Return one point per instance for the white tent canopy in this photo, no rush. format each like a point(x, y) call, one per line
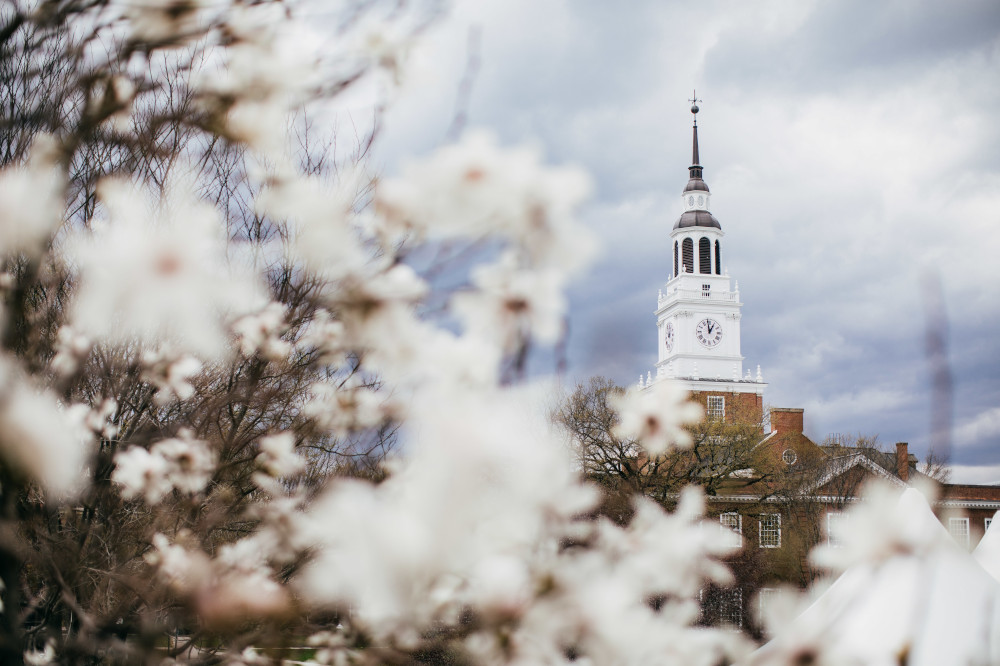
point(987, 553)
point(927, 608)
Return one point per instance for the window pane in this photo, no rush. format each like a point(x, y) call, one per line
point(959, 528)
point(770, 530)
point(732, 524)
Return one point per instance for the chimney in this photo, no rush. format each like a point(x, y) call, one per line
point(902, 461)
point(786, 419)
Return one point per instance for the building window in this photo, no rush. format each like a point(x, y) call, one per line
point(687, 256)
point(722, 607)
point(706, 290)
point(764, 598)
point(789, 456)
point(836, 528)
point(705, 256)
point(718, 260)
point(677, 268)
point(987, 523)
point(769, 530)
point(732, 528)
point(731, 608)
point(959, 528)
point(716, 407)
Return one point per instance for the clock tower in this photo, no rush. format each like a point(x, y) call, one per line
point(698, 309)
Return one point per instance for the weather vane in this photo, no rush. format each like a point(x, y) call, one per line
point(694, 105)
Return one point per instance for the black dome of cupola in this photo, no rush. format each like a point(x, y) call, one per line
point(696, 192)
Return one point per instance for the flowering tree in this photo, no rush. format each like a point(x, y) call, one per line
point(214, 332)
point(206, 319)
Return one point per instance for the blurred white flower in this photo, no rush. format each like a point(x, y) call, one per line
point(475, 188)
point(261, 332)
point(339, 409)
point(656, 417)
point(888, 523)
point(190, 462)
point(182, 463)
point(170, 374)
point(141, 473)
point(268, 66)
point(277, 455)
point(71, 347)
point(161, 22)
point(325, 335)
point(31, 199)
point(96, 421)
point(512, 304)
point(182, 569)
point(43, 657)
point(39, 439)
point(318, 215)
point(159, 275)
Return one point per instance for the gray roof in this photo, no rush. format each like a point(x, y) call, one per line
point(697, 218)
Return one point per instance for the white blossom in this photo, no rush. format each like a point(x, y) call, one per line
point(40, 439)
point(141, 473)
point(164, 21)
point(326, 336)
point(340, 409)
point(261, 332)
point(267, 69)
point(512, 303)
point(182, 463)
point(656, 417)
point(170, 374)
point(319, 215)
point(159, 274)
point(71, 348)
point(31, 199)
point(43, 657)
point(277, 455)
point(475, 188)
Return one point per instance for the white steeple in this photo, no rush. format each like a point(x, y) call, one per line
point(698, 309)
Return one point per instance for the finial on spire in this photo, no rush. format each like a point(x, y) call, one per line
point(695, 163)
point(694, 105)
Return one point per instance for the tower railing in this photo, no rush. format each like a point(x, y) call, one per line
point(699, 295)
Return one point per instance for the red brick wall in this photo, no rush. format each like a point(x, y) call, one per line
point(786, 419)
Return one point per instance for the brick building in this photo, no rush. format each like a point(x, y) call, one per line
point(800, 501)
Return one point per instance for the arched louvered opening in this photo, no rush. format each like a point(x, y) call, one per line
point(687, 255)
point(676, 267)
point(718, 259)
point(704, 256)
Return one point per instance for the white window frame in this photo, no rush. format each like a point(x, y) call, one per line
point(718, 409)
point(986, 524)
point(764, 597)
point(837, 523)
point(958, 528)
point(731, 524)
point(774, 531)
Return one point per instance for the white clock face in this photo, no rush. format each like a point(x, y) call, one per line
point(708, 332)
point(668, 336)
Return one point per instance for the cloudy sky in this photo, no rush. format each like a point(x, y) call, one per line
point(853, 151)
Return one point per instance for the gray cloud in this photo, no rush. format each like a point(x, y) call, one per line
point(851, 147)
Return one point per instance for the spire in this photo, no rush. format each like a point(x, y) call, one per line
point(696, 194)
point(695, 168)
point(694, 112)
